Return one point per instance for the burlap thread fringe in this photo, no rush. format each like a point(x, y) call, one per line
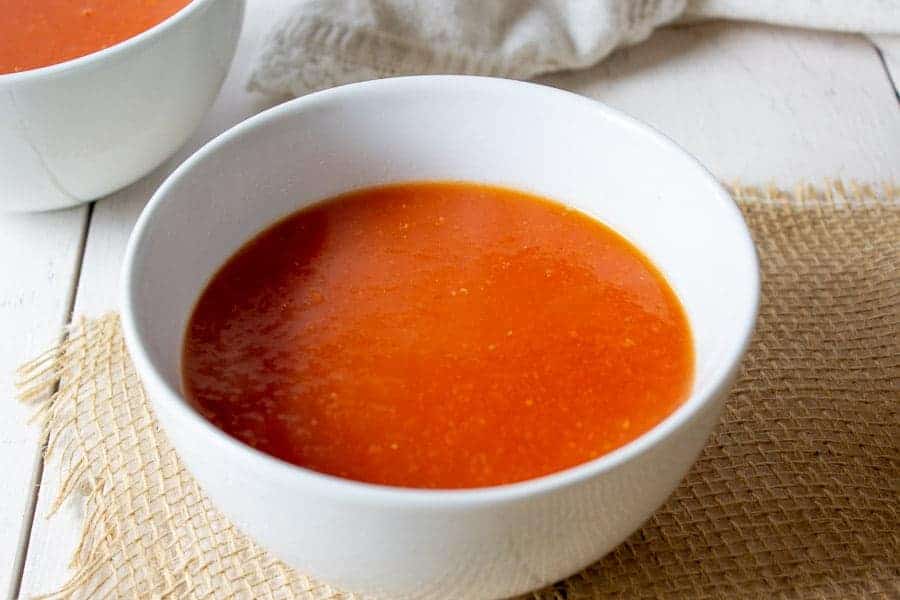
point(796, 494)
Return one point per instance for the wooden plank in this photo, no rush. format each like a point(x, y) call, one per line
point(54, 539)
point(41, 254)
point(889, 47)
point(757, 103)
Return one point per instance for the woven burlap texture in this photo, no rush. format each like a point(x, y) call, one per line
point(796, 494)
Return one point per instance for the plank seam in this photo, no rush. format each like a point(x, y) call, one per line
point(887, 70)
point(35, 484)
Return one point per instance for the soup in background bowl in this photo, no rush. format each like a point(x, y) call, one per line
point(40, 33)
point(399, 542)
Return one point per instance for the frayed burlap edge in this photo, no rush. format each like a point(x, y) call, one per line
point(49, 382)
point(77, 441)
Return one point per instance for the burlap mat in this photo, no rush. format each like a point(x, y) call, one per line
point(796, 495)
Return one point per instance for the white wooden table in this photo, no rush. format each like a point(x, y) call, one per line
point(757, 104)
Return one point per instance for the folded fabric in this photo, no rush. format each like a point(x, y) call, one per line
point(316, 44)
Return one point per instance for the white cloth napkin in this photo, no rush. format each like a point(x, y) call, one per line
point(316, 44)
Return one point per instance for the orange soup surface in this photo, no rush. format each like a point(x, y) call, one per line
point(38, 33)
point(437, 335)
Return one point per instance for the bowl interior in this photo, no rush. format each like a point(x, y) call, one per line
point(519, 135)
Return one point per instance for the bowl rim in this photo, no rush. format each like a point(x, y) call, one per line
point(331, 485)
point(134, 42)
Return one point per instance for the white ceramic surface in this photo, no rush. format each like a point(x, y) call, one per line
point(78, 130)
point(401, 543)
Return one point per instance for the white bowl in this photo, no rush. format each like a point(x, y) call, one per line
point(403, 543)
point(81, 129)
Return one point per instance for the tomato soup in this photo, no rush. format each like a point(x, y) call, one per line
point(38, 33)
point(437, 335)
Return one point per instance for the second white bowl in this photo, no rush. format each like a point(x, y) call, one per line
point(81, 129)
